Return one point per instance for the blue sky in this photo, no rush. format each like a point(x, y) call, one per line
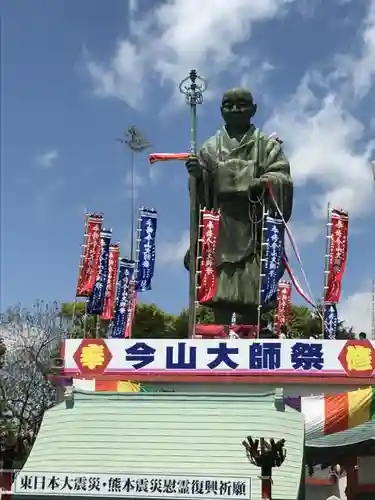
point(75, 75)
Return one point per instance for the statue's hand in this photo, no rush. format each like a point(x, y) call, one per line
point(257, 187)
point(258, 183)
point(193, 167)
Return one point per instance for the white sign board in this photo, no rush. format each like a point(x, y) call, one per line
point(132, 485)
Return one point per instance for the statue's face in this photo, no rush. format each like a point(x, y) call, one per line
point(237, 107)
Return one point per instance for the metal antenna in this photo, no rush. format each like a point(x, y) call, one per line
point(137, 143)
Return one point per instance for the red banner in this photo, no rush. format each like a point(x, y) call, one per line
point(284, 305)
point(131, 311)
point(208, 277)
point(88, 269)
point(338, 254)
point(110, 293)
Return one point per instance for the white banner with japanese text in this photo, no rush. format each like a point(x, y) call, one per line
point(132, 485)
point(93, 357)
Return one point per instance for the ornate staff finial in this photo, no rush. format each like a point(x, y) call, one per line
point(193, 87)
point(194, 91)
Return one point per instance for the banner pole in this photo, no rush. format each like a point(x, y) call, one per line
point(85, 321)
point(261, 274)
point(133, 284)
point(326, 261)
point(197, 269)
point(373, 311)
point(83, 246)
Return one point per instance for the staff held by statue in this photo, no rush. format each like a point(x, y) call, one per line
point(194, 96)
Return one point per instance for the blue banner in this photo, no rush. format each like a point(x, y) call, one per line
point(146, 254)
point(331, 321)
point(126, 275)
point(95, 303)
point(272, 265)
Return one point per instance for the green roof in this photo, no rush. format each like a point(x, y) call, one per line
point(170, 434)
point(355, 435)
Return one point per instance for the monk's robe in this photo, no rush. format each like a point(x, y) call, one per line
point(230, 182)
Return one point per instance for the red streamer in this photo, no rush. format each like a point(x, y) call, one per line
point(338, 255)
point(110, 294)
point(156, 157)
point(91, 256)
point(208, 276)
point(284, 304)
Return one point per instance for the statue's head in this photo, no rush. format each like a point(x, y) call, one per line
point(238, 107)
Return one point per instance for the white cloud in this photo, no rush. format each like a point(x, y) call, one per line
point(324, 140)
point(356, 311)
point(173, 252)
point(178, 35)
point(47, 159)
point(361, 70)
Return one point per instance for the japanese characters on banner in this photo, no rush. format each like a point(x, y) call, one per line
point(91, 255)
point(292, 357)
point(96, 301)
point(284, 304)
point(110, 293)
point(338, 254)
point(272, 266)
point(146, 252)
point(132, 485)
point(330, 319)
point(207, 273)
point(126, 275)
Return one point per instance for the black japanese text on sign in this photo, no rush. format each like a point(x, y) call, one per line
point(122, 485)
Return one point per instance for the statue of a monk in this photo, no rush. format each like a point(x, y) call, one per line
point(231, 172)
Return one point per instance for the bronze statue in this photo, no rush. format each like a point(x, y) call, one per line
point(230, 173)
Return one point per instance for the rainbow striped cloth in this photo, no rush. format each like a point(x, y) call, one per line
point(106, 385)
point(111, 386)
point(327, 414)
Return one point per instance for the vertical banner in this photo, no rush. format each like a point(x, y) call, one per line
point(283, 305)
point(90, 256)
point(330, 319)
point(126, 275)
point(208, 278)
point(146, 252)
point(338, 254)
point(131, 310)
point(272, 268)
point(110, 293)
point(95, 303)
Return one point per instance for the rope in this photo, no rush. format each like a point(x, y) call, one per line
point(297, 286)
point(293, 243)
